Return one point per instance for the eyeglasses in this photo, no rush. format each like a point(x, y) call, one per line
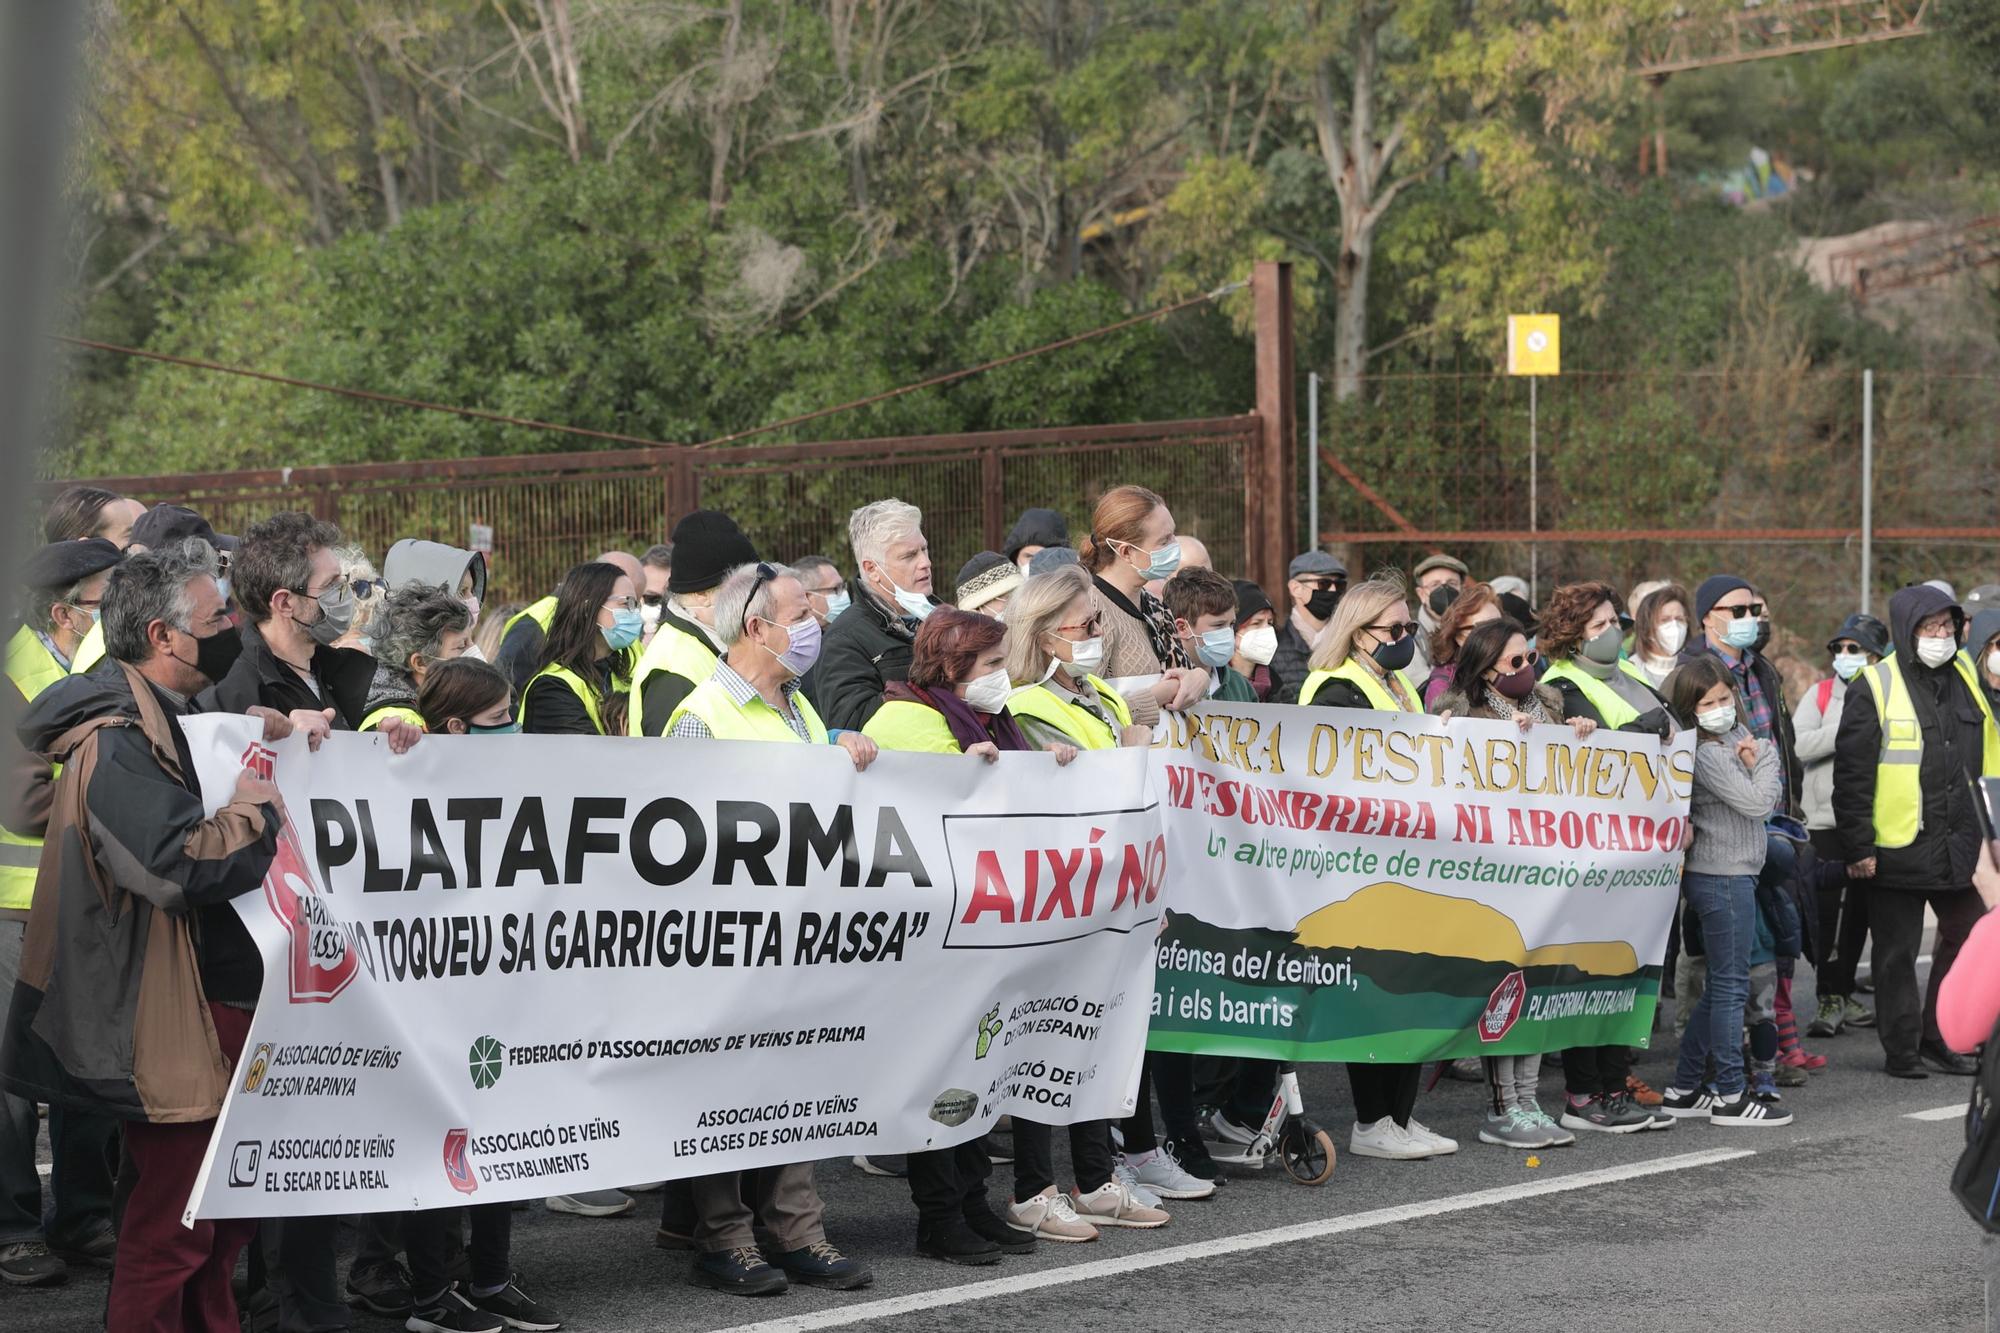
point(1747, 609)
point(824, 593)
point(1397, 631)
point(621, 603)
point(765, 573)
point(1509, 665)
point(340, 584)
point(1091, 628)
point(1323, 585)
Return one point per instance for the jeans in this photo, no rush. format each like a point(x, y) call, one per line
point(1726, 905)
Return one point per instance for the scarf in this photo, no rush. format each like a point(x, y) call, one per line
point(1159, 622)
point(969, 726)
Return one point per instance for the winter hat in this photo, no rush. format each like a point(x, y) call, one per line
point(1518, 610)
point(1250, 599)
point(1035, 527)
point(707, 545)
point(1713, 589)
point(1864, 629)
point(1049, 559)
point(62, 565)
point(987, 576)
point(1440, 561)
point(1314, 563)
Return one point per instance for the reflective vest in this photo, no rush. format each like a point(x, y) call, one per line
point(32, 669)
point(1073, 720)
point(754, 721)
point(676, 652)
point(89, 652)
point(408, 714)
point(577, 685)
point(904, 724)
point(541, 611)
point(1612, 709)
point(1364, 680)
point(1899, 798)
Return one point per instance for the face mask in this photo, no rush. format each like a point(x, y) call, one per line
point(989, 693)
point(1741, 633)
point(1603, 649)
point(837, 604)
point(1085, 657)
point(472, 653)
point(1993, 662)
point(914, 604)
point(624, 631)
point(1671, 634)
point(649, 616)
point(1320, 605)
point(1441, 598)
point(336, 616)
point(1763, 635)
point(471, 605)
point(1717, 721)
point(801, 646)
point(1217, 647)
point(511, 727)
point(1846, 664)
point(214, 655)
point(1936, 652)
point(222, 585)
point(1163, 563)
point(1259, 645)
point(1516, 684)
point(1395, 656)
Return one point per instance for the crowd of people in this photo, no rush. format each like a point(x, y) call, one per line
point(1823, 828)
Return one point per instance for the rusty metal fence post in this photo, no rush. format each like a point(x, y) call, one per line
point(1270, 487)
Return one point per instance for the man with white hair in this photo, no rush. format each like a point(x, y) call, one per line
point(869, 645)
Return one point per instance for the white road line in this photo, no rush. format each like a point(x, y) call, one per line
point(1212, 1249)
point(1956, 1111)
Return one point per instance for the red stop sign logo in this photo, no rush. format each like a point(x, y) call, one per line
point(1503, 1007)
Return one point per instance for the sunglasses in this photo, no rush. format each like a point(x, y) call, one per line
point(1091, 628)
point(1507, 666)
point(653, 599)
point(765, 573)
point(1747, 609)
point(1323, 585)
point(1398, 631)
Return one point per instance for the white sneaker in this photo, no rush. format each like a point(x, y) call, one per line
point(1230, 1132)
point(1122, 1172)
point(1385, 1139)
point(1439, 1145)
point(1112, 1205)
point(1050, 1216)
point(1167, 1178)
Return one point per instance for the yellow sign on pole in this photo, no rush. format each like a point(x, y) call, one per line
point(1534, 344)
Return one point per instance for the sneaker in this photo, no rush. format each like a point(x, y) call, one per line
point(1690, 1105)
point(1385, 1139)
point(1790, 1076)
point(1466, 1069)
point(823, 1265)
point(381, 1288)
point(1831, 1017)
point(1641, 1092)
point(28, 1263)
point(1163, 1174)
point(1558, 1137)
point(1941, 1058)
point(1656, 1118)
point(516, 1308)
point(1603, 1115)
point(1513, 1130)
point(955, 1242)
point(650, 1187)
point(1228, 1131)
point(1856, 1014)
point(1110, 1205)
point(98, 1248)
point(740, 1272)
point(893, 1167)
point(1050, 1216)
point(1438, 1144)
point(1122, 1172)
point(1745, 1110)
point(1801, 1058)
point(980, 1217)
point(1192, 1154)
point(452, 1313)
point(592, 1203)
point(1764, 1087)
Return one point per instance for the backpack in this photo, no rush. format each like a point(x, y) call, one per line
point(1976, 1178)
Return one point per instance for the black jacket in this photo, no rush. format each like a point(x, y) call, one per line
point(344, 676)
point(664, 690)
point(551, 708)
point(1290, 666)
point(520, 652)
point(866, 649)
point(1946, 847)
point(1781, 716)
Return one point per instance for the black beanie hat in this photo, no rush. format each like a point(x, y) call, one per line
point(1250, 599)
point(707, 545)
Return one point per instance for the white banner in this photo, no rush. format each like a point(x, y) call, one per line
point(500, 968)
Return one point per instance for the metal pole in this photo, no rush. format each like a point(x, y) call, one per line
point(1534, 501)
point(1312, 461)
point(1867, 486)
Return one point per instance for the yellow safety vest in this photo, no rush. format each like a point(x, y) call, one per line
point(541, 611)
point(1612, 709)
point(1072, 720)
point(410, 715)
point(1899, 799)
point(576, 684)
point(89, 652)
point(1364, 680)
point(904, 724)
point(32, 669)
point(754, 721)
point(676, 652)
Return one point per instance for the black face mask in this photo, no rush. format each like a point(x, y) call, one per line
point(1763, 636)
point(1320, 605)
point(214, 655)
point(1441, 598)
point(1395, 656)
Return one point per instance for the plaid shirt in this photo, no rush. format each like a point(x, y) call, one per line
point(1757, 709)
point(742, 692)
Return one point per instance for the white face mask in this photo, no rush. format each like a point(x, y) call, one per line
point(1259, 645)
point(1084, 657)
point(472, 651)
point(649, 615)
point(1993, 662)
point(1936, 652)
point(988, 693)
point(1717, 721)
point(1671, 634)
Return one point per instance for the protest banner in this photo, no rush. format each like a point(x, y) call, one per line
point(508, 968)
point(1354, 885)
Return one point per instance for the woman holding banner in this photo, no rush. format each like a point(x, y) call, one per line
point(576, 690)
point(1359, 663)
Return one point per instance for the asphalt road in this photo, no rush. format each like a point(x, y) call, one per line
point(1840, 1221)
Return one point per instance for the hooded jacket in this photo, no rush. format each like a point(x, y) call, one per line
point(412, 561)
point(1946, 848)
point(1985, 625)
point(110, 1011)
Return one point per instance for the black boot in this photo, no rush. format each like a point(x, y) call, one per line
point(980, 1217)
point(953, 1241)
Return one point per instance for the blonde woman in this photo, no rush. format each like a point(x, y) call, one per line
point(1359, 663)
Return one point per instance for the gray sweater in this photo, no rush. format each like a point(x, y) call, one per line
point(1729, 806)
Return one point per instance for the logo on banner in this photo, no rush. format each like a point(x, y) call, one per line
point(260, 1064)
point(321, 961)
point(244, 1160)
point(485, 1061)
point(955, 1106)
point(457, 1165)
point(989, 1028)
point(1503, 1007)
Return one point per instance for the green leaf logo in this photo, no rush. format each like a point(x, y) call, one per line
point(989, 1028)
point(486, 1060)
